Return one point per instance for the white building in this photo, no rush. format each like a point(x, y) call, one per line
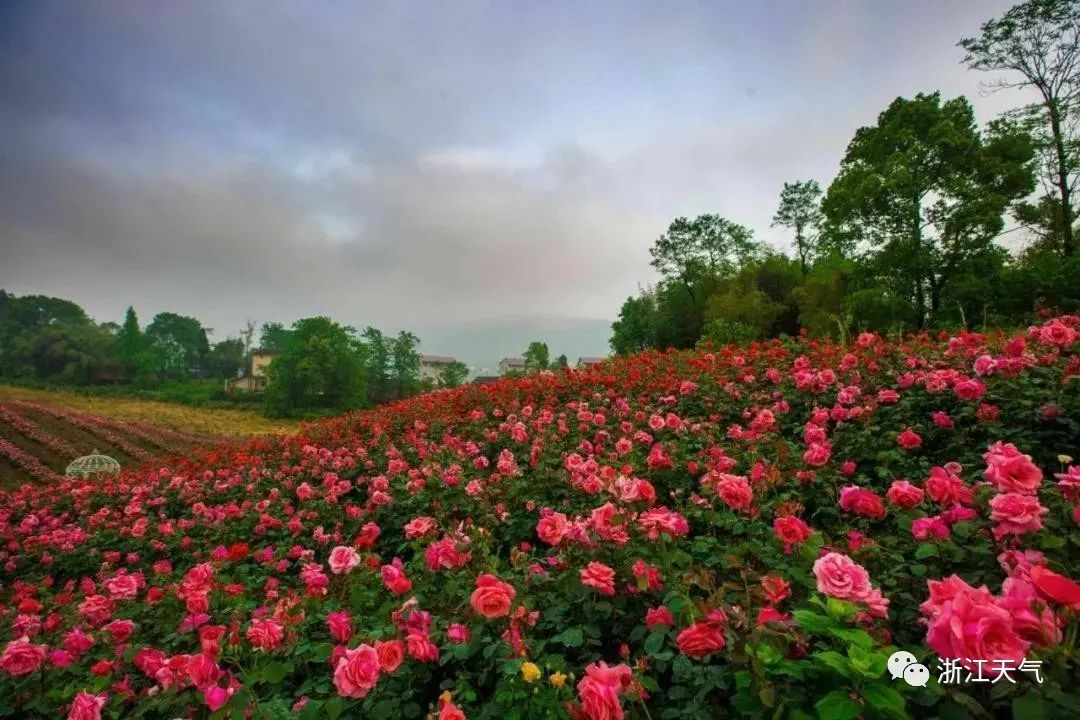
point(431, 366)
point(508, 363)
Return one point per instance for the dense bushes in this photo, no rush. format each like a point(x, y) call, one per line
point(741, 532)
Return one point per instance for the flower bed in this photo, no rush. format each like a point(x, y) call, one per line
point(746, 532)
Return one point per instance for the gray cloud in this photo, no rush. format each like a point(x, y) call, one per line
point(423, 166)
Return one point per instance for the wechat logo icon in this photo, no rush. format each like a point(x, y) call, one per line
point(903, 664)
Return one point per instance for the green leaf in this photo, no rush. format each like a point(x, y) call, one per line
point(276, 671)
point(926, 550)
point(854, 637)
point(571, 637)
point(837, 706)
point(813, 623)
point(1028, 706)
point(886, 700)
point(834, 660)
point(321, 652)
point(869, 663)
point(333, 708)
point(839, 610)
point(654, 642)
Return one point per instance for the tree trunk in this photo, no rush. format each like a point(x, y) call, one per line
point(1062, 181)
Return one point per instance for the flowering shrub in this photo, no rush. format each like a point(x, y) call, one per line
point(738, 532)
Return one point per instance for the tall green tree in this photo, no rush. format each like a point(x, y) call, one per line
point(453, 374)
point(635, 328)
point(925, 193)
point(273, 336)
point(130, 345)
point(320, 368)
point(706, 245)
point(377, 352)
point(178, 343)
point(1037, 43)
point(800, 212)
point(405, 362)
point(537, 357)
point(227, 357)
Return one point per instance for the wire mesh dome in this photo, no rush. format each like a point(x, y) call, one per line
point(92, 464)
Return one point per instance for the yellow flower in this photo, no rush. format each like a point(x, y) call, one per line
point(1064, 459)
point(557, 679)
point(529, 671)
point(446, 696)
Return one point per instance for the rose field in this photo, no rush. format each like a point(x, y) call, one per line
point(742, 532)
point(38, 441)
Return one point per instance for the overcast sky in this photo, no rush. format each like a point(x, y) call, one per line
point(416, 165)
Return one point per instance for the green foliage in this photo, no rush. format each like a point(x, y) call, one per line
point(178, 345)
point(537, 357)
point(635, 329)
point(273, 336)
point(800, 211)
point(453, 374)
point(321, 367)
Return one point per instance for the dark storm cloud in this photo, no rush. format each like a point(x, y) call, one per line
point(416, 165)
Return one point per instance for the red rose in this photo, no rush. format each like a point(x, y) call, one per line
point(492, 597)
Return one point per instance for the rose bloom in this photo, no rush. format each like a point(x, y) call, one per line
point(551, 527)
point(390, 653)
point(791, 531)
point(658, 616)
point(971, 626)
point(1011, 471)
point(700, 639)
point(930, 528)
point(904, 495)
point(969, 389)
point(734, 491)
point(86, 706)
point(1016, 514)
point(21, 657)
point(909, 439)
point(356, 672)
point(450, 711)
point(340, 625)
point(599, 691)
point(419, 527)
point(343, 559)
point(394, 578)
point(947, 488)
point(841, 577)
point(862, 502)
point(265, 634)
point(599, 577)
point(492, 597)
point(457, 633)
point(817, 455)
point(776, 588)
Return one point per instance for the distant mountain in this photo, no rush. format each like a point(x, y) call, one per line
point(480, 344)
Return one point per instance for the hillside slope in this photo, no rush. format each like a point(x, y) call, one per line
point(746, 532)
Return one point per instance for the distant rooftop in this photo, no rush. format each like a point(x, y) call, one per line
point(514, 362)
point(437, 359)
point(590, 360)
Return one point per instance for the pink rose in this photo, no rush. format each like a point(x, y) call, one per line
point(791, 531)
point(930, 528)
point(21, 657)
point(457, 633)
point(658, 616)
point(1016, 514)
point(700, 639)
point(1010, 470)
point(492, 597)
point(393, 576)
point(969, 389)
point(862, 502)
point(265, 634)
point(552, 527)
point(343, 559)
point(599, 577)
point(87, 707)
point(390, 653)
point(817, 455)
point(357, 671)
point(599, 691)
point(904, 495)
point(971, 626)
point(419, 527)
point(909, 439)
point(340, 625)
point(841, 577)
point(734, 491)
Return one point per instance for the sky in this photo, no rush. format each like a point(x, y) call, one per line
point(481, 173)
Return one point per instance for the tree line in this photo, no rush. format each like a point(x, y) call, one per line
point(909, 235)
point(320, 365)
